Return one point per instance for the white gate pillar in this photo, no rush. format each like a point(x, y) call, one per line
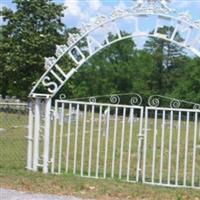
point(36, 138)
point(37, 132)
point(47, 134)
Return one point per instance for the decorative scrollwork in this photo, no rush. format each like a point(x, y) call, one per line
point(92, 99)
point(175, 103)
point(154, 101)
point(62, 97)
point(188, 18)
point(115, 99)
point(136, 99)
point(60, 49)
point(185, 17)
point(85, 28)
point(49, 62)
point(101, 19)
point(73, 38)
point(118, 13)
point(153, 6)
point(196, 107)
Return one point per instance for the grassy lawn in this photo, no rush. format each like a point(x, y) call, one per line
point(89, 188)
point(13, 161)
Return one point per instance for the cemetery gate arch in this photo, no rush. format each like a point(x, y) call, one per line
point(94, 37)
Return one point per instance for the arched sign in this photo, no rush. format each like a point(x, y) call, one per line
point(95, 36)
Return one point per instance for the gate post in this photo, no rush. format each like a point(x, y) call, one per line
point(34, 133)
point(47, 134)
point(36, 137)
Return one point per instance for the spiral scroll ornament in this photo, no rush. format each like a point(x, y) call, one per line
point(115, 99)
point(196, 107)
point(92, 99)
point(62, 97)
point(153, 101)
point(136, 99)
point(175, 103)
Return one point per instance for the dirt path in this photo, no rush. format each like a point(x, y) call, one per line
point(14, 195)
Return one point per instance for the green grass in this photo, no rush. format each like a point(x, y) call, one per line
point(12, 141)
point(13, 161)
point(89, 188)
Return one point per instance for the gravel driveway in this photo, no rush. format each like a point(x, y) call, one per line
point(14, 195)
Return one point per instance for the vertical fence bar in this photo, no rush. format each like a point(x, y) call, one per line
point(139, 151)
point(170, 147)
point(47, 135)
point(76, 138)
point(106, 142)
point(154, 145)
point(199, 132)
point(91, 141)
point(54, 138)
point(68, 137)
point(145, 145)
point(99, 142)
point(114, 143)
point(83, 139)
point(36, 134)
point(130, 143)
point(194, 149)
point(186, 148)
point(178, 148)
point(30, 138)
point(162, 146)
point(61, 137)
point(122, 143)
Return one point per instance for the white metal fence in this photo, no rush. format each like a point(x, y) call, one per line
point(153, 145)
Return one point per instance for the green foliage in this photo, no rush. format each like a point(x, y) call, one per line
point(30, 35)
point(188, 83)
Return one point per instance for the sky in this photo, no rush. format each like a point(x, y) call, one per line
point(83, 11)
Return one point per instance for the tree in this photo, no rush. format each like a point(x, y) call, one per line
point(188, 83)
point(120, 68)
point(107, 72)
point(3, 77)
point(30, 34)
point(164, 54)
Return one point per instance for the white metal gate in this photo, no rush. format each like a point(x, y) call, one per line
point(158, 146)
point(171, 147)
point(97, 140)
